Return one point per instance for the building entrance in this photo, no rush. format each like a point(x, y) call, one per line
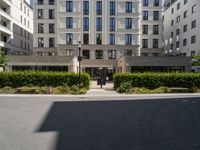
point(96, 72)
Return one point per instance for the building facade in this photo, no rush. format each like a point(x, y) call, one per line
point(16, 26)
point(182, 27)
point(107, 30)
point(151, 28)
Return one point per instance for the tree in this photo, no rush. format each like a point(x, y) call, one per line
point(196, 60)
point(3, 58)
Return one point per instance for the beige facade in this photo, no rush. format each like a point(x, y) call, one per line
point(16, 26)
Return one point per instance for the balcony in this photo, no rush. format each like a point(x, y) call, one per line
point(5, 28)
point(8, 2)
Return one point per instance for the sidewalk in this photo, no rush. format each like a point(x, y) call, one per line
point(106, 90)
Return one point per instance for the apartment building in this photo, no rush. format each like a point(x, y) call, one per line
point(16, 27)
point(151, 28)
point(107, 29)
point(182, 27)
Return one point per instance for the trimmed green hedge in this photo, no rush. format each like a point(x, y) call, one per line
point(156, 80)
point(36, 78)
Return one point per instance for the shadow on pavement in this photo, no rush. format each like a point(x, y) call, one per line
point(125, 125)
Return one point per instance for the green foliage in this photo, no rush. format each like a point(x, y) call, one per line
point(7, 90)
point(3, 58)
point(125, 87)
point(35, 78)
point(31, 90)
point(196, 61)
point(156, 80)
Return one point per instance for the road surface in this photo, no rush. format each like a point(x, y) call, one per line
point(82, 123)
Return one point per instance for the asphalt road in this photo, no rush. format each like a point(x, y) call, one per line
point(59, 123)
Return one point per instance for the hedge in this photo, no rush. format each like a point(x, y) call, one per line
point(36, 78)
point(156, 80)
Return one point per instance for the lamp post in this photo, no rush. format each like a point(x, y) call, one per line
point(79, 62)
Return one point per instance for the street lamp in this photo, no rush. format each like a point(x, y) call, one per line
point(79, 61)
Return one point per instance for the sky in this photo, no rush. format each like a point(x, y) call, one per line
point(29, 1)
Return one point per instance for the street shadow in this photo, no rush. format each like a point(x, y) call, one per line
point(125, 125)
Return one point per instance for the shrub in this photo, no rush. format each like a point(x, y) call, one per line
point(125, 87)
point(36, 78)
point(156, 80)
point(7, 90)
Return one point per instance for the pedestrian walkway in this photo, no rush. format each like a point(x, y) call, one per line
point(106, 90)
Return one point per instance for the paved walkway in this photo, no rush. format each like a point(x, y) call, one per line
point(107, 90)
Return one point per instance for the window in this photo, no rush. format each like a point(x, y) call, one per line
point(128, 52)
point(128, 23)
point(99, 7)
point(20, 6)
point(112, 24)
point(172, 11)
point(40, 2)
point(129, 7)
point(69, 38)
point(85, 7)
point(85, 24)
point(172, 22)
point(156, 29)
point(144, 43)
point(112, 39)
point(185, 28)
point(24, 9)
point(145, 29)
point(112, 7)
point(144, 54)
point(185, 14)
point(192, 53)
point(156, 3)
point(193, 24)
point(155, 43)
point(145, 2)
point(193, 39)
point(178, 31)
point(40, 42)
point(51, 42)
point(178, 19)
point(99, 24)
point(69, 6)
point(99, 38)
point(185, 42)
point(145, 15)
point(40, 14)
point(99, 54)
point(194, 9)
point(51, 2)
point(177, 44)
point(24, 21)
point(85, 38)
point(51, 28)
point(128, 39)
point(86, 54)
point(185, 2)
point(21, 43)
point(51, 14)
point(172, 46)
point(172, 34)
point(69, 22)
point(40, 28)
point(155, 15)
point(178, 6)
point(111, 54)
